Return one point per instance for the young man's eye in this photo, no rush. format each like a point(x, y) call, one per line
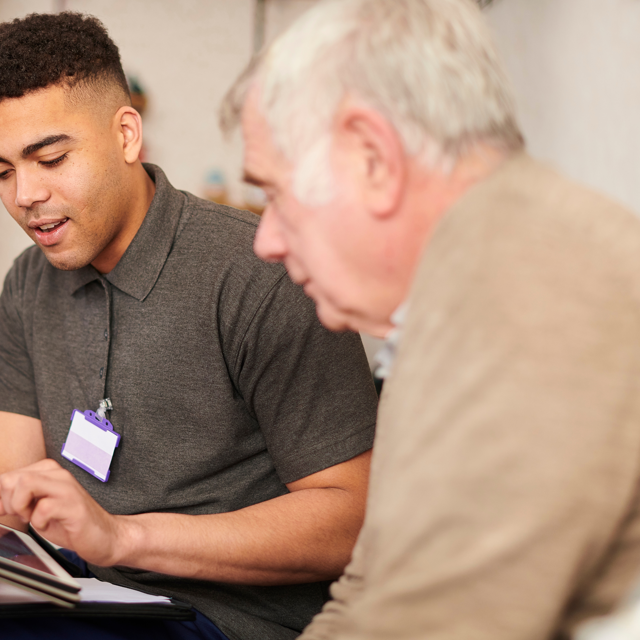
point(5, 174)
point(54, 162)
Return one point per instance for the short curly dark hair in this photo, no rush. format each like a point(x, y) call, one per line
point(67, 48)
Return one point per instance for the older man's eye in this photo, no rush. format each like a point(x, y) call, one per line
point(255, 197)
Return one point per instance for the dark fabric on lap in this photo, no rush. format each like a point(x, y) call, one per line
point(73, 557)
point(111, 629)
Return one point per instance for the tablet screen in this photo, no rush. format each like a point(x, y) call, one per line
point(12, 548)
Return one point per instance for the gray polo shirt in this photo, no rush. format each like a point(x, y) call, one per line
point(224, 384)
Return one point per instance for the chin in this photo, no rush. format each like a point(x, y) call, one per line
point(66, 263)
point(334, 320)
point(337, 320)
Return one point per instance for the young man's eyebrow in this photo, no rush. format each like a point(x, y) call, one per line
point(45, 142)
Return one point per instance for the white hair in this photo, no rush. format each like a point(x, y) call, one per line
point(428, 66)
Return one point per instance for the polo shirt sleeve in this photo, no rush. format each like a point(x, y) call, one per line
point(17, 385)
point(310, 390)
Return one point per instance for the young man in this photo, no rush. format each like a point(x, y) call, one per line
point(240, 478)
point(504, 491)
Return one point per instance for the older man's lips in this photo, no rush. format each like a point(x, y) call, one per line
point(49, 232)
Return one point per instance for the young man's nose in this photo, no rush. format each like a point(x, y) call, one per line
point(30, 189)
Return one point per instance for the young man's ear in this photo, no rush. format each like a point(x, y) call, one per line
point(129, 128)
point(375, 155)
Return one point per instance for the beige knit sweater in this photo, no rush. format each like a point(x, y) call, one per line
point(503, 502)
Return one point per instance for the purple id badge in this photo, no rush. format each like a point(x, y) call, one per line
point(91, 443)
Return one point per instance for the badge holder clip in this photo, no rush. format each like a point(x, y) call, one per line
point(91, 441)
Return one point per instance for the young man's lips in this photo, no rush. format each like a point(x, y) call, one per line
point(52, 236)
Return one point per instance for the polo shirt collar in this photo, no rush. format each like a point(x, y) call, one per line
point(74, 280)
point(139, 268)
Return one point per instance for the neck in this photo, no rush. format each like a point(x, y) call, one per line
point(429, 194)
point(140, 196)
point(442, 187)
point(434, 191)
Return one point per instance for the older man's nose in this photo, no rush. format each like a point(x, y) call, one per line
point(269, 243)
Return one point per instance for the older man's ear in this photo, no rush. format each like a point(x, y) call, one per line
point(369, 148)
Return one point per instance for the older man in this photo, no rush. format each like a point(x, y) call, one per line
point(503, 499)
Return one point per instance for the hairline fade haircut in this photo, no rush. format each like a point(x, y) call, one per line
point(66, 49)
point(429, 66)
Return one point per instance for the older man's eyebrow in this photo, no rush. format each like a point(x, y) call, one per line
point(45, 142)
point(249, 178)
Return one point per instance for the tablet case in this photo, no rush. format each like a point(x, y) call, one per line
point(174, 611)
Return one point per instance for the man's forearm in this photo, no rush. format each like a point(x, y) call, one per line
point(299, 537)
point(302, 536)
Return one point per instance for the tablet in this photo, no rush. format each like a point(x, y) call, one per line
point(16, 593)
point(23, 560)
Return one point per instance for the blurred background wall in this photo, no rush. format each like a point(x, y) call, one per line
point(576, 69)
point(575, 66)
